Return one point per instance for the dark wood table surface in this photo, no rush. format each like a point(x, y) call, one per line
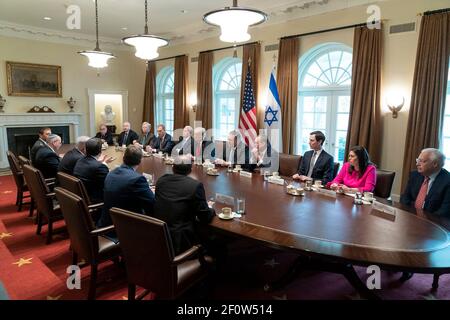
point(322, 226)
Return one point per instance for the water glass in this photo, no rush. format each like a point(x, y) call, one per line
point(308, 184)
point(266, 174)
point(240, 206)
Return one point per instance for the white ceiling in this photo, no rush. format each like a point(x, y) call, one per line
point(178, 20)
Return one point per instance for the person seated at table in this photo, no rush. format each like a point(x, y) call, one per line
point(127, 189)
point(185, 144)
point(104, 135)
point(356, 175)
point(44, 133)
point(236, 153)
point(162, 143)
point(316, 164)
point(92, 169)
point(261, 153)
point(127, 136)
point(47, 160)
point(67, 163)
point(202, 148)
point(428, 187)
point(181, 202)
point(146, 138)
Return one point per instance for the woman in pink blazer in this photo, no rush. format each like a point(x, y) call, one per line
point(358, 174)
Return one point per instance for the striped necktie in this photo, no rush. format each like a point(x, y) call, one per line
point(420, 200)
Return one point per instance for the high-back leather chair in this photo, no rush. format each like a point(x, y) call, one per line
point(86, 241)
point(385, 180)
point(75, 185)
point(24, 160)
point(336, 169)
point(22, 187)
point(149, 257)
point(43, 200)
point(289, 164)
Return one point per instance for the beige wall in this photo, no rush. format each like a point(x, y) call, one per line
point(115, 101)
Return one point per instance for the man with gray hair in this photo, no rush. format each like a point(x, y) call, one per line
point(71, 157)
point(146, 138)
point(127, 136)
point(47, 160)
point(428, 188)
point(186, 143)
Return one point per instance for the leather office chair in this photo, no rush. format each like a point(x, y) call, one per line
point(22, 187)
point(336, 169)
point(153, 266)
point(24, 160)
point(85, 240)
point(43, 199)
point(385, 180)
point(289, 164)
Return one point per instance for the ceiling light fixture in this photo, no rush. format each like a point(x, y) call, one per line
point(47, 18)
point(97, 58)
point(146, 45)
point(234, 21)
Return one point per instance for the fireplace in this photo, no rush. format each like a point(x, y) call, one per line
point(21, 140)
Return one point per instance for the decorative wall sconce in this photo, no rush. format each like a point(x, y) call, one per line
point(2, 103)
point(193, 102)
point(395, 106)
point(71, 103)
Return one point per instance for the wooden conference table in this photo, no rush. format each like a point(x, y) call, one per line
point(320, 226)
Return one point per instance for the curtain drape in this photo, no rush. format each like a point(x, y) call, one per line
point(204, 89)
point(148, 114)
point(180, 99)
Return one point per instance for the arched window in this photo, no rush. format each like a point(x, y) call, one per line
point(227, 89)
point(446, 126)
point(164, 98)
point(325, 74)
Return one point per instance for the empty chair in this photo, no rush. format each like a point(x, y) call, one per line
point(85, 240)
point(289, 164)
point(22, 187)
point(149, 257)
point(43, 200)
point(385, 180)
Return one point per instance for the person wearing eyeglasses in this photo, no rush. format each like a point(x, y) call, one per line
point(428, 188)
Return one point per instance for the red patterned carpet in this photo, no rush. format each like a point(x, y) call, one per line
point(29, 269)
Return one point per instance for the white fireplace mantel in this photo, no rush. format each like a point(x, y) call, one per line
point(15, 120)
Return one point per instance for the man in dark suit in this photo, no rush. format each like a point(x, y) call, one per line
point(185, 144)
point(316, 164)
point(163, 141)
point(47, 160)
point(127, 189)
point(71, 157)
point(236, 152)
point(428, 188)
point(146, 138)
point(201, 147)
point(44, 133)
point(127, 136)
point(261, 153)
point(105, 135)
point(92, 169)
point(181, 202)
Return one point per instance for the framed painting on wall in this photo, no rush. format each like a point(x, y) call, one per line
point(33, 80)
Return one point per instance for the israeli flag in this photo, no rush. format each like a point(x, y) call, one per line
point(272, 115)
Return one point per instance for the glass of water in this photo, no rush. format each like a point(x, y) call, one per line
point(240, 206)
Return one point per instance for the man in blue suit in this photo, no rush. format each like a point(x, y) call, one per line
point(163, 142)
point(71, 157)
point(428, 188)
point(316, 164)
point(47, 160)
point(127, 189)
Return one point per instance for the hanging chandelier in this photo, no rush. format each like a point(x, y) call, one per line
point(234, 21)
point(97, 58)
point(146, 45)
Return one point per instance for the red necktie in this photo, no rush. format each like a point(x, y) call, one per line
point(199, 149)
point(422, 194)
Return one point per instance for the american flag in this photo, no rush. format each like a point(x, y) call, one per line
point(247, 118)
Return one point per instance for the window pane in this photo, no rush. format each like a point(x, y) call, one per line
point(308, 104)
point(342, 122)
point(341, 137)
point(321, 104)
point(344, 104)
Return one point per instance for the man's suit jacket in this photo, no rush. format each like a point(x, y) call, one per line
point(184, 147)
point(181, 201)
point(128, 190)
point(67, 163)
point(47, 161)
point(39, 143)
point(107, 137)
point(131, 137)
point(208, 150)
point(241, 155)
point(323, 168)
point(93, 174)
point(165, 146)
point(437, 200)
point(146, 139)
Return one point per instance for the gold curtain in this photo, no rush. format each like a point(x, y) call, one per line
point(365, 127)
point(180, 99)
point(204, 89)
point(426, 112)
point(252, 52)
point(287, 83)
point(148, 114)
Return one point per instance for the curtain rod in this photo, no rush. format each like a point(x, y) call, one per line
point(230, 47)
point(323, 31)
point(173, 57)
point(428, 13)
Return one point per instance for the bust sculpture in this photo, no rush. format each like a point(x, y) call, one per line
point(108, 116)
